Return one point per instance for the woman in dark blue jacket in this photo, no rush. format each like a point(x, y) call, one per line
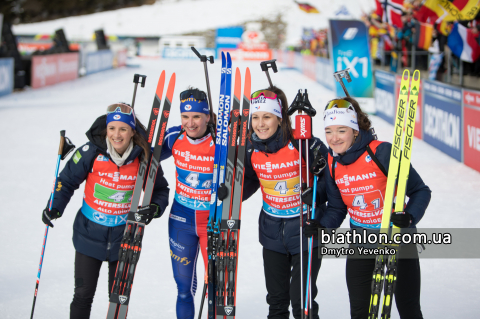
point(272, 163)
point(355, 180)
point(109, 164)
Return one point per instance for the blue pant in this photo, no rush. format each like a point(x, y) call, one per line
point(187, 229)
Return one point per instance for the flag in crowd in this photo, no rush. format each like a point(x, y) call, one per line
point(463, 43)
point(307, 8)
point(424, 32)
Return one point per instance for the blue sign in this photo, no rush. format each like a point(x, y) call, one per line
point(385, 96)
point(99, 61)
point(185, 53)
point(442, 117)
point(6, 76)
point(323, 73)
point(228, 37)
point(350, 49)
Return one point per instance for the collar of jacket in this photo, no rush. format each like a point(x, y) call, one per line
point(357, 149)
point(270, 145)
point(94, 135)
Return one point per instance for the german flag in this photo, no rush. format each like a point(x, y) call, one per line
point(424, 35)
point(307, 8)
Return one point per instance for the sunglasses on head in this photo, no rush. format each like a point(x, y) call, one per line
point(121, 108)
point(197, 95)
point(339, 104)
point(266, 93)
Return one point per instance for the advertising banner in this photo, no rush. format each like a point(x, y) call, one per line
point(324, 73)
point(418, 118)
point(6, 76)
point(185, 53)
point(385, 101)
point(99, 61)
point(442, 117)
point(228, 37)
point(247, 55)
point(308, 66)
point(350, 49)
point(298, 61)
point(290, 59)
point(54, 68)
point(471, 129)
point(121, 58)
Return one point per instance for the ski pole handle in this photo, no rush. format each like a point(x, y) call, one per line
point(136, 80)
point(269, 64)
point(62, 142)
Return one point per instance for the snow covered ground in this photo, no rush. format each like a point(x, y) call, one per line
point(31, 121)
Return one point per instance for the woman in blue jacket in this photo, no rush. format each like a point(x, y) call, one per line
point(109, 164)
point(272, 163)
point(355, 180)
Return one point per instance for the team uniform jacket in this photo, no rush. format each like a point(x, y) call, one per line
point(100, 222)
point(273, 165)
point(359, 186)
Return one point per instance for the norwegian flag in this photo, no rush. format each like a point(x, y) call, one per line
point(390, 11)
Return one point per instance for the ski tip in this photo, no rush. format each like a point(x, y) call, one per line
point(406, 73)
point(247, 87)
point(171, 87)
point(416, 75)
point(238, 83)
point(229, 59)
point(160, 85)
point(223, 55)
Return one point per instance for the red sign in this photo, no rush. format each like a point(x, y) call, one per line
point(52, 69)
point(471, 129)
point(252, 55)
point(290, 59)
point(121, 58)
point(419, 116)
point(308, 66)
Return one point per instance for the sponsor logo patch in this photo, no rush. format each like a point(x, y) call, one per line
point(85, 148)
point(116, 117)
point(76, 157)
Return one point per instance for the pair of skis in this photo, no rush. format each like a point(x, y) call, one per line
point(131, 244)
point(223, 227)
point(398, 173)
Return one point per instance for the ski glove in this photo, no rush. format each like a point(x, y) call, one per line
point(318, 164)
point(49, 215)
point(222, 192)
point(307, 196)
point(149, 212)
point(311, 228)
point(401, 219)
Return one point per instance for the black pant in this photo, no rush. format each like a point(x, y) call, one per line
point(282, 278)
point(87, 270)
point(407, 291)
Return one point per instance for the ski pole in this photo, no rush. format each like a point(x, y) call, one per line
point(269, 64)
point(136, 80)
point(65, 147)
point(204, 59)
point(343, 74)
point(203, 300)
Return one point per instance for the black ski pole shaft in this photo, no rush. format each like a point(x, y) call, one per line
point(269, 64)
point(343, 74)
point(60, 153)
point(136, 80)
point(204, 59)
point(203, 300)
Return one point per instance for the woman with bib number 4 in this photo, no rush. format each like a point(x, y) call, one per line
point(354, 152)
point(272, 163)
point(109, 164)
point(193, 149)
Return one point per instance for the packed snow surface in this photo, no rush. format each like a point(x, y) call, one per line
point(31, 121)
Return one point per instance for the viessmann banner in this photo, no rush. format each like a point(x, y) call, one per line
point(350, 49)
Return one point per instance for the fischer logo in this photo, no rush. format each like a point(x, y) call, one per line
point(155, 111)
point(176, 245)
point(187, 156)
point(269, 166)
point(346, 179)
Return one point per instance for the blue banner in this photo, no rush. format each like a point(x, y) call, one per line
point(99, 61)
point(442, 118)
point(385, 96)
point(228, 37)
point(324, 73)
point(186, 53)
point(6, 76)
point(350, 49)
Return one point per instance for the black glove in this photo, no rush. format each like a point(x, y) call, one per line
point(307, 196)
point(311, 228)
point(318, 164)
point(49, 215)
point(149, 212)
point(222, 192)
point(401, 219)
